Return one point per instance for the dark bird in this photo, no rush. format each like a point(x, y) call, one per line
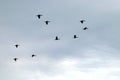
point(39, 16)
point(75, 36)
point(85, 28)
point(47, 22)
point(56, 38)
point(15, 59)
point(33, 55)
point(82, 21)
point(17, 45)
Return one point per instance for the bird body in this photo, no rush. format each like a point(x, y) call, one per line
point(17, 45)
point(33, 55)
point(85, 28)
point(56, 38)
point(15, 59)
point(75, 36)
point(47, 22)
point(39, 16)
point(82, 21)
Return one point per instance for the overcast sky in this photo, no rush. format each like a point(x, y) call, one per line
point(95, 55)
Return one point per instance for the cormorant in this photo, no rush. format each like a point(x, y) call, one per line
point(39, 16)
point(75, 36)
point(85, 28)
point(15, 59)
point(82, 21)
point(47, 22)
point(33, 55)
point(56, 38)
point(17, 45)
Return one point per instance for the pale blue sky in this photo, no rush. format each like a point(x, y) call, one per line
point(93, 56)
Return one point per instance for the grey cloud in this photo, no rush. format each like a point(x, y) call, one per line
point(97, 47)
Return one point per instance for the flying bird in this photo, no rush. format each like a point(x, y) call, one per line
point(17, 45)
point(75, 36)
point(39, 16)
point(85, 28)
point(56, 38)
point(47, 22)
point(82, 21)
point(15, 59)
point(33, 55)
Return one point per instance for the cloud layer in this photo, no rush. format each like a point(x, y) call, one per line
point(94, 55)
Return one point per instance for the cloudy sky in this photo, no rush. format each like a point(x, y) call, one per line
point(95, 55)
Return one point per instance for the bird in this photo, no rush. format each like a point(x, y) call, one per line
point(82, 21)
point(15, 59)
point(47, 22)
point(75, 36)
point(33, 55)
point(85, 28)
point(56, 38)
point(39, 16)
point(17, 45)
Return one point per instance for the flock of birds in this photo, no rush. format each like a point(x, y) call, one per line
point(56, 38)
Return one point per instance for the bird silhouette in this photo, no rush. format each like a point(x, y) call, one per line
point(47, 22)
point(56, 38)
point(15, 59)
point(39, 16)
point(33, 55)
point(85, 28)
point(82, 21)
point(17, 45)
point(75, 36)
